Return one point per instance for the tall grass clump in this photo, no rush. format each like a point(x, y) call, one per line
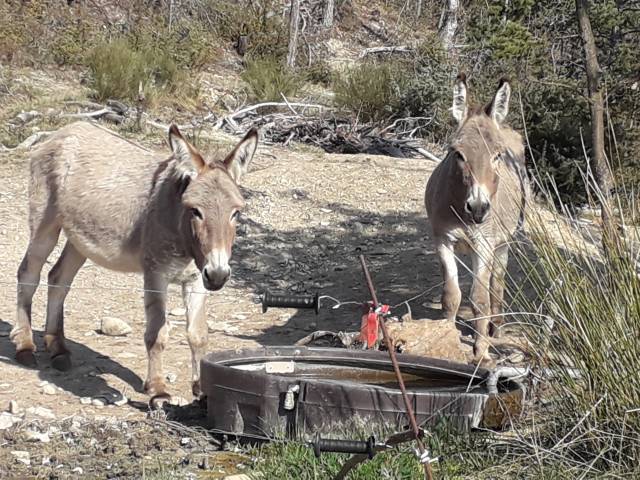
point(588, 285)
point(268, 79)
point(372, 90)
point(117, 70)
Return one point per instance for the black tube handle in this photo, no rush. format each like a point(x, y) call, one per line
point(344, 446)
point(290, 301)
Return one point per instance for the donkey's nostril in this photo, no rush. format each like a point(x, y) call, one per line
point(467, 207)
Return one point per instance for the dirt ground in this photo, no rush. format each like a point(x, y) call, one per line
point(309, 215)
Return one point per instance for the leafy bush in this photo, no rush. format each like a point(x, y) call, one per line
point(267, 78)
point(117, 71)
point(320, 73)
point(372, 90)
point(267, 32)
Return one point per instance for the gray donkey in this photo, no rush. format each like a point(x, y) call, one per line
point(129, 209)
point(475, 201)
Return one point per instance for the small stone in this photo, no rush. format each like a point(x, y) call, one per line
point(313, 325)
point(49, 389)
point(46, 461)
point(41, 412)
point(239, 316)
point(78, 470)
point(114, 327)
point(13, 407)
point(185, 441)
point(121, 401)
point(22, 456)
point(178, 401)
point(98, 402)
point(33, 436)
point(171, 377)
point(241, 476)
point(43, 383)
point(7, 420)
point(178, 312)
point(85, 400)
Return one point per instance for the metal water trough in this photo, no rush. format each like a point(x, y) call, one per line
point(305, 389)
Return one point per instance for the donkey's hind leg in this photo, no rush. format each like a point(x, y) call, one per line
point(45, 231)
point(60, 278)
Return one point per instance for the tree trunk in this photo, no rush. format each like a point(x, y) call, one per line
point(329, 7)
point(294, 20)
point(601, 167)
point(450, 26)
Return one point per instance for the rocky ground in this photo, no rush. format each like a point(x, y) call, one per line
point(309, 215)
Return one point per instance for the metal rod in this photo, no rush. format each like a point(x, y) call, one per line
point(394, 361)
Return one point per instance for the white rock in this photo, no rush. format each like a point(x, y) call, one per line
point(114, 327)
point(33, 436)
point(121, 401)
point(178, 312)
point(7, 420)
point(49, 389)
point(46, 461)
point(13, 407)
point(85, 400)
point(41, 412)
point(178, 401)
point(43, 383)
point(185, 441)
point(22, 456)
point(98, 402)
point(171, 377)
point(78, 470)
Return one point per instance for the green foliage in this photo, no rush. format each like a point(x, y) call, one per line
point(268, 79)
point(117, 70)
point(267, 32)
point(373, 90)
point(320, 73)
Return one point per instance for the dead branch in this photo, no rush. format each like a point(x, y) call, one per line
point(390, 50)
point(94, 114)
point(252, 108)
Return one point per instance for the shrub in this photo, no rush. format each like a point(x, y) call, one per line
point(373, 90)
point(267, 79)
point(320, 73)
point(117, 71)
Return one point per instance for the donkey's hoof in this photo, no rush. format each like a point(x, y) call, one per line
point(61, 362)
point(26, 358)
point(158, 401)
point(195, 388)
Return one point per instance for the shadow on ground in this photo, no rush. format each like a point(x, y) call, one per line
point(84, 380)
point(323, 258)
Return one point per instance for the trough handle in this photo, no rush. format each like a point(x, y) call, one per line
point(290, 301)
point(344, 446)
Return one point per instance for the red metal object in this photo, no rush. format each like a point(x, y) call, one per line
point(370, 325)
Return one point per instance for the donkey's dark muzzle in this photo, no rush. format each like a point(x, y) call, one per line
point(478, 211)
point(215, 278)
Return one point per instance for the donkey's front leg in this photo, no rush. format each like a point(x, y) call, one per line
point(482, 260)
point(451, 295)
point(156, 336)
point(194, 297)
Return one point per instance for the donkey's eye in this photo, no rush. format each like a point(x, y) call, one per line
point(197, 213)
point(235, 216)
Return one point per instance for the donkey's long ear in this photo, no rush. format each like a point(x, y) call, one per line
point(183, 150)
point(499, 106)
point(237, 162)
point(459, 107)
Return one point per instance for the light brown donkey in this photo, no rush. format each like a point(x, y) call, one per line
point(132, 210)
point(475, 201)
